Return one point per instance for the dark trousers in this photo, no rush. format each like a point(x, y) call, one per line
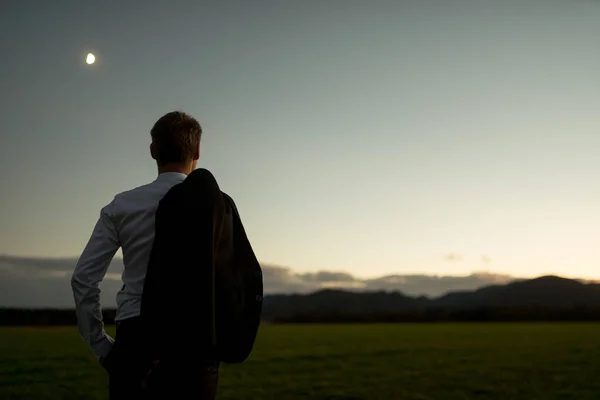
point(175, 377)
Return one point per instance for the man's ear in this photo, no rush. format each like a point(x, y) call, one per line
point(197, 154)
point(152, 151)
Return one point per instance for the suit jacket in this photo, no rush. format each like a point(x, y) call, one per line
point(203, 288)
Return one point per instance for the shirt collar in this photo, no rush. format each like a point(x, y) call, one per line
point(171, 176)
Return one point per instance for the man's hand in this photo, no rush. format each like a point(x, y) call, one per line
point(105, 361)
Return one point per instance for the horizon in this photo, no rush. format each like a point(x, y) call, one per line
point(42, 283)
point(461, 289)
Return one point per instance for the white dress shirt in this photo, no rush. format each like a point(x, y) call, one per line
point(127, 222)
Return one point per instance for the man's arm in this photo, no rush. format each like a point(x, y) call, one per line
point(89, 272)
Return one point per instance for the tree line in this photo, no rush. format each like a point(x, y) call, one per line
point(46, 317)
point(67, 317)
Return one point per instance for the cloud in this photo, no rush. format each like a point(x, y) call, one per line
point(37, 266)
point(41, 282)
point(46, 282)
point(432, 285)
point(327, 276)
point(451, 257)
point(486, 259)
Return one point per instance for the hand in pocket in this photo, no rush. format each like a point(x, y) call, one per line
point(107, 361)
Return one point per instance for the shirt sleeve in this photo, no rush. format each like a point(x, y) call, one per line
point(89, 272)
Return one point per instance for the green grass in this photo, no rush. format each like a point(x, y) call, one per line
point(436, 361)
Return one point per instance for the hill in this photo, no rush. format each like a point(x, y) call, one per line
point(549, 296)
point(545, 291)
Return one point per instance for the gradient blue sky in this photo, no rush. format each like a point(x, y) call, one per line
point(371, 137)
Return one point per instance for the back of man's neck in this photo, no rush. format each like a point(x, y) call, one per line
point(174, 168)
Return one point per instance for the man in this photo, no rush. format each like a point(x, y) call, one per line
point(128, 222)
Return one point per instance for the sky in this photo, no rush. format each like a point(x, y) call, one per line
point(370, 138)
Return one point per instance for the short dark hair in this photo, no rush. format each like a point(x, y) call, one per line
point(175, 137)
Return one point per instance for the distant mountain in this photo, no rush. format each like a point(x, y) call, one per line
point(546, 292)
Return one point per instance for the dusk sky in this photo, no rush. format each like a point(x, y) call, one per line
point(371, 137)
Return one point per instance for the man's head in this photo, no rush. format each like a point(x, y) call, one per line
point(176, 142)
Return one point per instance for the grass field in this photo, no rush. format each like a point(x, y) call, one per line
point(436, 361)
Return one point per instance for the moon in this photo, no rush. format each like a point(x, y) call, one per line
point(90, 59)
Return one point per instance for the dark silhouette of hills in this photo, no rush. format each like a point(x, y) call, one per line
point(547, 298)
point(545, 291)
point(564, 298)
